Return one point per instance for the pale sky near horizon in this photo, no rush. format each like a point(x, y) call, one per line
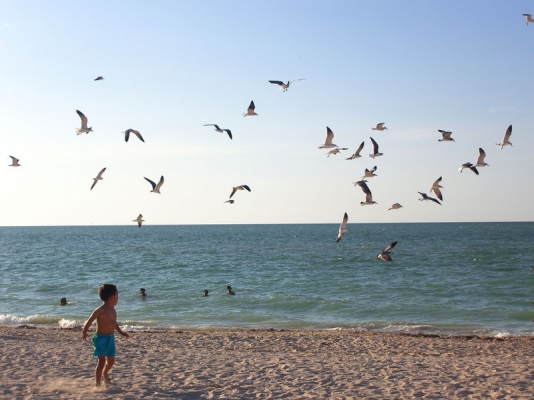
point(171, 67)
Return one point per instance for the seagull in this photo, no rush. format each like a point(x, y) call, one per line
point(250, 110)
point(84, 127)
point(230, 201)
point(343, 227)
point(98, 178)
point(375, 151)
point(446, 136)
point(136, 133)
point(368, 195)
point(470, 166)
point(385, 254)
point(14, 162)
point(395, 206)
point(528, 18)
point(285, 86)
point(379, 127)
point(328, 141)
point(220, 130)
point(139, 220)
point(369, 173)
point(435, 188)
point(425, 197)
point(357, 154)
point(99, 78)
point(236, 188)
point(480, 160)
point(155, 188)
point(335, 151)
point(506, 138)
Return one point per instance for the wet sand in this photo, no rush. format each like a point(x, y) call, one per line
point(267, 364)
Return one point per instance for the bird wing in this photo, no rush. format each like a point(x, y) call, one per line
point(161, 180)
point(342, 227)
point(375, 146)
point(474, 169)
point(100, 173)
point(233, 192)
point(364, 187)
point(437, 192)
point(380, 125)
point(368, 197)
point(136, 133)
point(390, 246)
point(433, 199)
point(127, 134)
point(93, 185)
point(277, 82)
point(15, 159)
point(245, 187)
point(508, 133)
point(359, 149)
point(481, 156)
point(373, 169)
point(83, 118)
point(385, 257)
point(329, 136)
point(252, 106)
point(152, 183)
point(228, 132)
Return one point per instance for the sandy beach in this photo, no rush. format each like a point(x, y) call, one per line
point(267, 364)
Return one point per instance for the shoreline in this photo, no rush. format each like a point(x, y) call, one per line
point(54, 363)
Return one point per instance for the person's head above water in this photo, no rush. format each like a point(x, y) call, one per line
point(205, 293)
point(63, 301)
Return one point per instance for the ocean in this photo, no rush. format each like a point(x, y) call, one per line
point(445, 278)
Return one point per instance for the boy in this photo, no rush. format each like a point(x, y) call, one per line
point(104, 340)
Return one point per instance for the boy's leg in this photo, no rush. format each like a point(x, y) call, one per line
point(109, 363)
point(99, 368)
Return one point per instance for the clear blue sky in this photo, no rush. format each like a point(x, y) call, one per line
point(170, 67)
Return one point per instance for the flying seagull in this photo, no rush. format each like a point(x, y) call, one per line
point(136, 133)
point(155, 188)
point(446, 136)
point(368, 195)
point(139, 220)
point(369, 173)
point(14, 162)
point(375, 150)
point(357, 154)
point(480, 160)
point(335, 151)
point(99, 78)
point(221, 130)
point(343, 227)
point(250, 110)
point(528, 18)
point(285, 86)
point(84, 127)
point(506, 138)
point(395, 206)
point(385, 254)
point(435, 188)
point(98, 178)
point(240, 187)
point(425, 197)
point(328, 141)
point(230, 201)
point(379, 127)
point(468, 165)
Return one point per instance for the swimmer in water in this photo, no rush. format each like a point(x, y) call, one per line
point(229, 290)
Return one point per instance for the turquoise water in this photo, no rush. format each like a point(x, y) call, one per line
point(452, 278)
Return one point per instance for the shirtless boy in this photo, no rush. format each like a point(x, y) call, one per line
point(104, 340)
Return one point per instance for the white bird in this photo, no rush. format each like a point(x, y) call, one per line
point(375, 150)
point(343, 227)
point(468, 165)
point(99, 78)
point(506, 138)
point(328, 141)
point(369, 173)
point(528, 18)
point(250, 110)
point(435, 188)
point(136, 133)
point(357, 154)
point(385, 254)
point(395, 206)
point(155, 188)
point(446, 136)
point(335, 151)
point(84, 127)
point(217, 129)
point(98, 178)
point(368, 195)
point(230, 201)
point(480, 160)
point(425, 197)
point(139, 220)
point(379, 127)
point(285, 86)
point(14, 162)
point(240, 187)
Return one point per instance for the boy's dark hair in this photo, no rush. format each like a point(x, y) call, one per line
point(106, 291)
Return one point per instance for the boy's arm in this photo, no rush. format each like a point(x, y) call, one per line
point(90, 321)
point(118, 329)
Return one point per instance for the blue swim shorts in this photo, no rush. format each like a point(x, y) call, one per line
point(103, 344)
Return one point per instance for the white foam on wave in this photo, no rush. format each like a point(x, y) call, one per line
point(9, 319)
point(68, 323)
